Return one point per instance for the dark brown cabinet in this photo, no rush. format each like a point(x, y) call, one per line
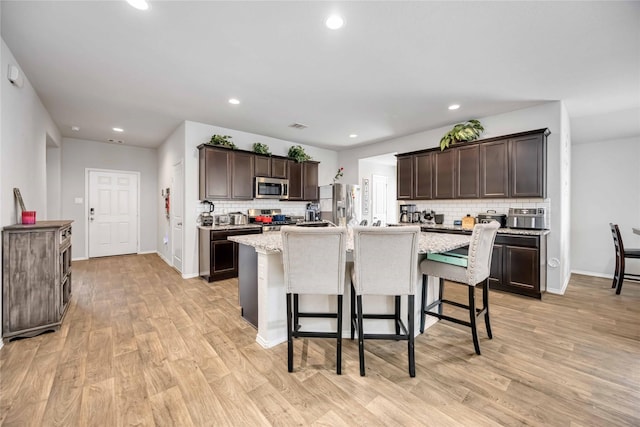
point(509, 166)
point(494, 169)
point(36, 277)
point(215, 173)
point(423, 173)
point(218, 255)
point(303, 180)
point(272, 167)
point(242, 175)
point(404, 181)
point(444, 174)
point(467, 168)
point(527, 166)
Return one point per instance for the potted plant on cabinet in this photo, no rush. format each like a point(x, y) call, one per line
point(297, 153)
point(260, 148)
point(222, 141)
point(462, 132)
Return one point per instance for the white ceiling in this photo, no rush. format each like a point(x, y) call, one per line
point(391, 71)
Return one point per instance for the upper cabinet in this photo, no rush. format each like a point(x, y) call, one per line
point(215, 173)
point(242, 175)
point(510, 166)
point(272, 167)
point(279, 168)
point(303, 180)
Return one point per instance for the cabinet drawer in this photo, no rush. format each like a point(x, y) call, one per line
point(524, 241)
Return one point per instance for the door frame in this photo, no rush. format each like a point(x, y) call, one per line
point(86, 204)
point(180, 162)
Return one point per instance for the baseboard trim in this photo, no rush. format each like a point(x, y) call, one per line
point(190, 276)
point(147, 252)
point(79, 259)
point(591, 273)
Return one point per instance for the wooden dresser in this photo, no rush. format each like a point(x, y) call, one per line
point(36, 277)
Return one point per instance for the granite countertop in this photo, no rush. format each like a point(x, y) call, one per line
point(429, 242)
point(228, 227)
point(518, 231)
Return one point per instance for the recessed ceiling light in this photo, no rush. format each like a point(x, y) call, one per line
point(334, 22)
point(118, 130)
point(353, 135)
point(75, 128)
point(454, 107)
point(234, 101)
point(139, 4)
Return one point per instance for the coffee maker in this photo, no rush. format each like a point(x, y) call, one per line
point(313, 212)
point(406, 213)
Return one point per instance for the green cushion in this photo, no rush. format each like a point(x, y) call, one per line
point(449, 258)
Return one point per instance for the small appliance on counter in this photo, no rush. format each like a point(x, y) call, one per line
point(406, 213)
point(491, 215)
point(428, 217)
point(528, 218)
point(238, 218)
point(313, 212)
point(206, 217)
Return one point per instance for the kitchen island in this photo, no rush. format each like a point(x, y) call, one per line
point(262, 274)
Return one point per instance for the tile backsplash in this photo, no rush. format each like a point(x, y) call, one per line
point(228, 206)
point(457, 209)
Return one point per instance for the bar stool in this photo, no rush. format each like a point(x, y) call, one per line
point(384, 263)
point(314, 262)
point(476, 272)
point(621, 254)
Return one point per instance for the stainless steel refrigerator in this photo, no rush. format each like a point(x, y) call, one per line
point(341, 204)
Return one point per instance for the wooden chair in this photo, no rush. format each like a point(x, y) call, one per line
point(385, 263)
point(476, 272)
point(621, 254)
point(314, 260)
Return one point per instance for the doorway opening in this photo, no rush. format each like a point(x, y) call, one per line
point(377, 176)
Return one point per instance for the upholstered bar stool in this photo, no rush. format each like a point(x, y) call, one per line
point(621, 255)
point(385, 263)
point(475, 272)
point(314, 262)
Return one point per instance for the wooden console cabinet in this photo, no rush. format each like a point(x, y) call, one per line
point(36, 277)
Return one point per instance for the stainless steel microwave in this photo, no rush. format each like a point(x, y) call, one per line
point(271, 188)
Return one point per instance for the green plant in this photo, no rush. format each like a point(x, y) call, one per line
point(467, 131)
point(223, 140)
point(261, 148)
point(297, 153)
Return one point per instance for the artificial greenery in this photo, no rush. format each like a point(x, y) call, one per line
point(297, 153)
point(223, 140)
point(261, 148)
point(467, 131)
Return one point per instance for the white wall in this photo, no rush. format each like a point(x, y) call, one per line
point(25, 126)
point(192, 134)
point(605, 189)
point(548, 115)
point(78, 155)
point(54, 182)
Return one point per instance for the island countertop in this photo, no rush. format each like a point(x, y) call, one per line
point(429, 242)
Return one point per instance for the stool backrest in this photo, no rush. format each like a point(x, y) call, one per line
point(617, 239)
point(314, 259)
point(385, 260)
point(480, 252)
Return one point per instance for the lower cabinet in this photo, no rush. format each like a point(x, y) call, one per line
point(518, 263)
point(36, 277)
point(218, 255)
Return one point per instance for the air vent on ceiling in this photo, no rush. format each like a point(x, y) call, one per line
point(298, 126)
point(116, 141)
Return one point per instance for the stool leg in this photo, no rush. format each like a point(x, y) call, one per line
point(423, 302)
point(289, 338)
point(472, 317)
point(411, 347)
point(615, 275)
point(295, 312)
point(360, 336)
point(620, 276)
point(441, 295)
point(397, 313)
point(485, 303)
point(339, 343)
point(353, 311)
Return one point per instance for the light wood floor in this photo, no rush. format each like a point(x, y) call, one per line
point(141, 346)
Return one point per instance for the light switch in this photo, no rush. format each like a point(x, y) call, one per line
point(78, 200)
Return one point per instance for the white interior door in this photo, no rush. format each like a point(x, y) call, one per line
point(113, 213)
point(176, 214)
point(379, 198)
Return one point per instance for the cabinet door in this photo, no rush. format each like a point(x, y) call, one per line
point(494, 169)
point(496, 273)
point(262, 166)
point(310, 180)
point(521, 268)
point(468, 172)
point(295, 180)
point(215, 173)
point(444, 174)
point(404, 182)
point(224, 259)
point(242, 179)
point(422, 173)
point(279, 168)
point(527, 172)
